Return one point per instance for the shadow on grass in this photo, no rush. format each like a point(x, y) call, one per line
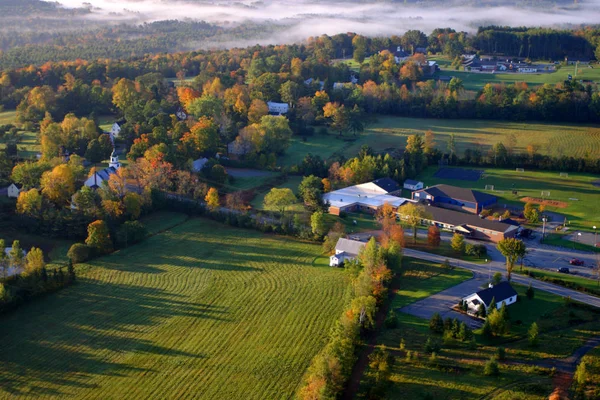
point(51, 348)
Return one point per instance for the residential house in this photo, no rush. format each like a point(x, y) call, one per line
point(502, 293)
point(368, 197)
point(96, 179)
point(411, 184)
point(278, 108)
point(400, 55)
point(455, 198)
point(345, 249)
point(115, 130)
point(471, 226)
point(198, 164)
point(14, 190)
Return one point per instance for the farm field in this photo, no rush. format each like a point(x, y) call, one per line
point(553, 139)
point(582, 213)
point(458, 371)
point(390, 133)
point(202, 310)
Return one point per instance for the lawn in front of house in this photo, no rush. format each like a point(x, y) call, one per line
point(421, 279)
point(458, 371)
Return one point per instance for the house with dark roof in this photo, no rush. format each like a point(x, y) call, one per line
point(502, 293)
point(399, 54)
point(456, 198)
point(471, 226)
point(345, 249)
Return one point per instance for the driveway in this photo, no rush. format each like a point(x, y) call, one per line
point(443, 302)
point(499, 266)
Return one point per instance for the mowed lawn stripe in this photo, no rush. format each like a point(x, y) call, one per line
point(201, 311)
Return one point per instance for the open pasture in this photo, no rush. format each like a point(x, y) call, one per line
point(390, 133)
point(28, 146)
point(201, 310)
point(580, 213)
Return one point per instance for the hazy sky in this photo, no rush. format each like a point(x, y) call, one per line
point(306, 18)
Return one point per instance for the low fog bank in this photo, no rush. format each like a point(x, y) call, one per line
point(300, 19)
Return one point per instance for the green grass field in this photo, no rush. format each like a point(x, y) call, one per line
point(456, 379)
point(28, 146)
point(559, 240)
point(590, 284)
point(552, 139)
point(202, 310)
point(422, 279)
point(389, 133)
point(475, 81)
point(459, 370)
point(581, 214)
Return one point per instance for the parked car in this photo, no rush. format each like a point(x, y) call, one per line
point(563, 270)
point(525, 233)
point(576, 261)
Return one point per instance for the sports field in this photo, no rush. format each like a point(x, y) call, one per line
point(390, 133)
point(584, 212)
point(201, 310)
point(475, 80)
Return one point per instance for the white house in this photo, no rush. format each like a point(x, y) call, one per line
point(400, 55)
point(115, 130)
point(96, 179)
point(198, 164)
point(13, 191)
point(278, 108)
point(500, 293)
point(411, 184)
point(345, 249)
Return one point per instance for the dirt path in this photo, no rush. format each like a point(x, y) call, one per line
point(363, 358)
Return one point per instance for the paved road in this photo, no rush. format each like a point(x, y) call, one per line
point(498, 266)
point(443, 302)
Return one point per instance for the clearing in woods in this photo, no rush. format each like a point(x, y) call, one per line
point(201, 310)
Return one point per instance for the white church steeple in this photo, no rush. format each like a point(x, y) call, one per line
point(114, 161)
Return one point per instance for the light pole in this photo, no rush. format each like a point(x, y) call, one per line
point(595, 236)
point(544, 220)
